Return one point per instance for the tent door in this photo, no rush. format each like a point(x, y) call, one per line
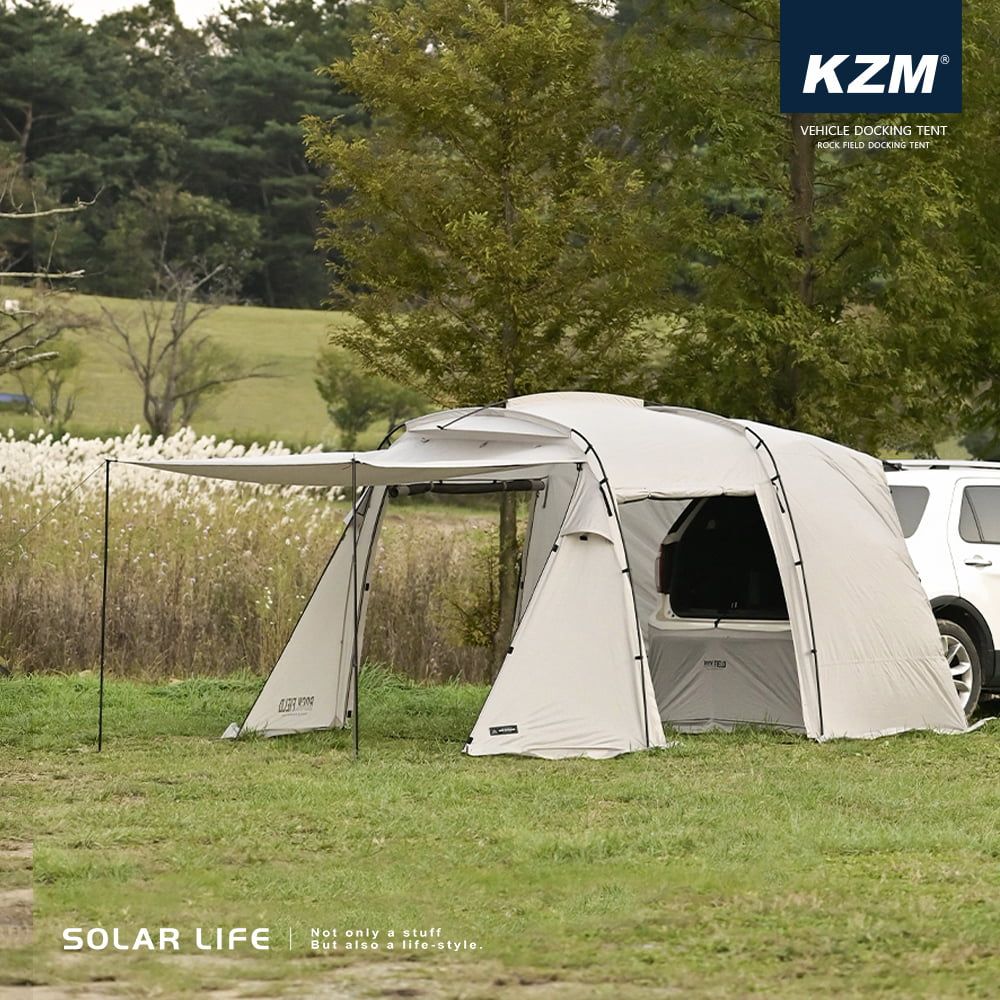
point(720, 644)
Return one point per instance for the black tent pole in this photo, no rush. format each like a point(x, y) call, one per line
point(104, 607)
point(354, 589)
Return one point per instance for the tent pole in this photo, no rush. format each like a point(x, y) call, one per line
point(354, 590)
point(104, 607)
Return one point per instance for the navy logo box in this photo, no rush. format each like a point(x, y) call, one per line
point(875, 57)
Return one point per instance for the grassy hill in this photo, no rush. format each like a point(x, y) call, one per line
point(287, 407)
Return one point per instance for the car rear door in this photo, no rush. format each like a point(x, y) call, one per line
point(974, 540)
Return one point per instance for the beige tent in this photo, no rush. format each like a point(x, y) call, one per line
point(680, 568)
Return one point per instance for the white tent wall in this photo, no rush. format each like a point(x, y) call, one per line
point(575, 683)
point(653, 452)
point(879, 659)
point(310, 684)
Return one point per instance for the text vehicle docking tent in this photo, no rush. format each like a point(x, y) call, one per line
point(679, 568)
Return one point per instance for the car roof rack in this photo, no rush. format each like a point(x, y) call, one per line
point(902, 464)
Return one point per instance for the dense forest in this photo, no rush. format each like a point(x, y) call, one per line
point(522, 195)
point(188, 137)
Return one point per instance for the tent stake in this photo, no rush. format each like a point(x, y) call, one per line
point(354, 589)
point(104, 607)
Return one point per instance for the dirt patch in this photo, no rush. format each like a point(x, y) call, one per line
point(17, 896)
point(89, 991)
point(371, 981)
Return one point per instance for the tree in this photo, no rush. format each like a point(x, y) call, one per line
point(975, 365)
point(50, 71)
point(166, 224)
point(248, 148)
point(487, 243)
point(822, 290)
point(52, 387)
point(176, 368)
point(355, 398)
point(200, 256)
point(27, 333)
point(139, 101)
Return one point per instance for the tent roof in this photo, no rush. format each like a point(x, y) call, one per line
point(644, 451)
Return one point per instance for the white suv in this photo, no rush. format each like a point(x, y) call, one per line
point(950, 515)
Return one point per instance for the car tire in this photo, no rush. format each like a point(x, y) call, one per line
point(963, 662)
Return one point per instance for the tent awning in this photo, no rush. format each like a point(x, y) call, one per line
point(412, 460)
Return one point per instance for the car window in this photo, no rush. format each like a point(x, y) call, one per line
point(968, 530)
point(723, 564)
point(910, 501)
point(985, 503)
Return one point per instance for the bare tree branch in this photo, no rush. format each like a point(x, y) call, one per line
point(16, 363)
point(79, 206)
point(42, 274)
point(24, 345)
point(226, 380)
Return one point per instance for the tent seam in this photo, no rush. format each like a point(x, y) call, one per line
point(777, 481)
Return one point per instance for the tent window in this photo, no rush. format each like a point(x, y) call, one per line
point(721, 563)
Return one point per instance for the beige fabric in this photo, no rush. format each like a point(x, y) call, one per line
point(311, 686)
point(878, 654)
point(575, 683)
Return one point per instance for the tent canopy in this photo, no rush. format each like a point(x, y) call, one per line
point(635, 444)
point(600, 658)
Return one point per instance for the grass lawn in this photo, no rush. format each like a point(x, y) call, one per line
point(729, 865)
point(287, 408)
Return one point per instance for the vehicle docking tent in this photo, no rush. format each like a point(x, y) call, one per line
point(679, 568)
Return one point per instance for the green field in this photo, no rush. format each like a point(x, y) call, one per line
point(286, 408)
point(743, 865)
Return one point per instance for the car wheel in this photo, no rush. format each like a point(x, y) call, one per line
point(963, 662)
